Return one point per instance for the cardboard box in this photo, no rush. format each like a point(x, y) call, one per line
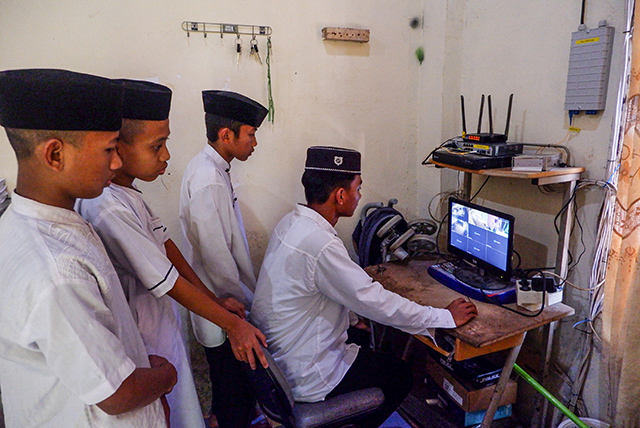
point(468, 398)
point(476, 418)
point(471, 418)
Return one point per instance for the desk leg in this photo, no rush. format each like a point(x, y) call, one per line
point(541, 402)
point(466, 186)
point(501, 385)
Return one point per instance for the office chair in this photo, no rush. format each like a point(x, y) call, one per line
point(276, 400)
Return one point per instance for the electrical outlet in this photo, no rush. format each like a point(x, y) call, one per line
point(345, 34)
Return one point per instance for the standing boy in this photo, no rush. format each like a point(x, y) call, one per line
point(216, 242)
point(308, 283)
point(150, 266)
point(70, 352)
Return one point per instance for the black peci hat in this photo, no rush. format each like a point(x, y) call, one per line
point(60, 100)
point(234, 106)
point(332, 159)
point(145, 100)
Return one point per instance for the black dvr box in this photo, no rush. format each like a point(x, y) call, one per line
point(467, 160)
point(477, 371)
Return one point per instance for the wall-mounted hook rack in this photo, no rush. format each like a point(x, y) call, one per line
point(222, 29)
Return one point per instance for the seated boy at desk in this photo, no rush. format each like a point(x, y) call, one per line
point(308, 283)
point(148, 263)
point(70, 352)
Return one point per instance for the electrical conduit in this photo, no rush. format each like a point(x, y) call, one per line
point(549, 397)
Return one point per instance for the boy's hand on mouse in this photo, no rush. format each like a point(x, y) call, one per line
point(245, 339)
point(462, 311)
point(233, 306)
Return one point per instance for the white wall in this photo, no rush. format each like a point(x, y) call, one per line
point(373, 97)
point(502, 47)
point(361, 96)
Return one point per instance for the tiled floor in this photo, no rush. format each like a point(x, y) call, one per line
point(200, 370)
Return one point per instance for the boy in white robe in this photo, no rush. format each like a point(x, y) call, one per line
point(150, 266)
point(70, 352)
point(216, 243)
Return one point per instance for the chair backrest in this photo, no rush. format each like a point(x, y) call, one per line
point(272, 391)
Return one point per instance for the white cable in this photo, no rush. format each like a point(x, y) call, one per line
point(442, 200)
point(565, 281)
point(604, 232)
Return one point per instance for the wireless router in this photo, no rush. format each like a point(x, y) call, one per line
point(480, 150)
point(484, 137)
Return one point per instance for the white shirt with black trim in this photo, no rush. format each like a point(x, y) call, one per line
point(135, 238)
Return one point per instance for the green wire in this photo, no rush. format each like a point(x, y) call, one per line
point(526, 376)
point(272, 110)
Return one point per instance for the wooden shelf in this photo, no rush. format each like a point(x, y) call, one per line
point(555, 175)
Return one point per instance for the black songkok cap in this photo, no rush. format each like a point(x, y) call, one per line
point(333, 159)
point(145, 100)
point(234, 106)
point(59, 100)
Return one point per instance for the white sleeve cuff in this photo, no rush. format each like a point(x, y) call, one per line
point(443, 319)
point(167, 283)
point(110, 385)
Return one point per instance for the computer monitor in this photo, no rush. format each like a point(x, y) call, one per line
point(481, 236)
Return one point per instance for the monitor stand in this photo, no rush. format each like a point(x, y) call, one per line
point(468, 280)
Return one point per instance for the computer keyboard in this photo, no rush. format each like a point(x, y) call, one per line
point(479, 281)
point(472, 284)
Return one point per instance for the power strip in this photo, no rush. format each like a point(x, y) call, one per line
point(529, 293)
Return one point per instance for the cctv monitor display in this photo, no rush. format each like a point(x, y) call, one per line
point(481, 236)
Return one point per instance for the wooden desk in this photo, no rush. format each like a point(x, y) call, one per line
point(494, 328)
point(567, 175)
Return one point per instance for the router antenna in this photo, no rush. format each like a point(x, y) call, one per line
point(506, 127)
point(480, 116)
point(464, 119)
point(490, 115)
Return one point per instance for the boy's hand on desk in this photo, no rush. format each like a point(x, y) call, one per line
point(462, 311)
